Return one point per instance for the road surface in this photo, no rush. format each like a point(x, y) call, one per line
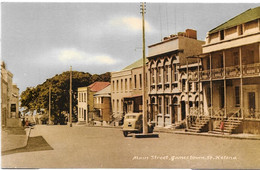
point(96, 147)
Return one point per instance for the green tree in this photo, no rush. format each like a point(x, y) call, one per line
point(37, 98)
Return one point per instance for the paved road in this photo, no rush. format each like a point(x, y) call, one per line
point(95, 147)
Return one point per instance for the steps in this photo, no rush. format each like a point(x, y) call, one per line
point(198, 125)
point(230, 126)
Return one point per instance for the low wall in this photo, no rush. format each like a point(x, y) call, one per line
point(13, 122)
point(251, 126)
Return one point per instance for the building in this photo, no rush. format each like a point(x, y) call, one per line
point(86, 100)
point(9, 99)
point(172, 96)
point(231, 74)
point(126, 90)
point(102, 104)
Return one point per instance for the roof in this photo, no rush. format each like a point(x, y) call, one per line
point(244, 17)
point(104, 92)
point(97, 86)
point(136, 64)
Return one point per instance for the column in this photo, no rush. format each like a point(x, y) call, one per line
point(170, 107)
point(211, 90)
point(225, 84)
point(241, 83)
point(163, 105)
point(156, 109)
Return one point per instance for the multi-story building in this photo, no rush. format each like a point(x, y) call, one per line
point(9, 99)
point(172, 96)
point(126, 90)
point(231, 73)
point(102, 104)
point(86, 100)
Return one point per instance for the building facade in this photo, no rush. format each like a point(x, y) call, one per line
point(102, 104)
point(126, 90)
point(231, 74)
point(9, 99)
point(86, 100)
point(172, 94)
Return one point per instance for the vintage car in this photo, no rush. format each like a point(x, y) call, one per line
point(133, 123)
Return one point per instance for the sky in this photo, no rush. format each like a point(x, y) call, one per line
point(40, 40)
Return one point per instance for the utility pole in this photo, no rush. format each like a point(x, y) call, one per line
point(49, 105)
point(70, 96)
point(145, 130)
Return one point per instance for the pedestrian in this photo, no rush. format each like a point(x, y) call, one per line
point(222, 124)
point(27, 122)
point(23, 122)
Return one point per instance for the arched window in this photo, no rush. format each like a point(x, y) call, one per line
point(174, 73)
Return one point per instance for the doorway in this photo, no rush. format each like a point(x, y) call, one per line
point(85, 114)
point(183, 110)
point(251, 103)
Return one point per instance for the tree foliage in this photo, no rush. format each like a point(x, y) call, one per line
point(37, 98)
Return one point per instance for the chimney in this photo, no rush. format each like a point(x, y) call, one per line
point(191, 33)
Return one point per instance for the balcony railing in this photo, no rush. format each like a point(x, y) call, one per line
point(205, 75)
point(251, 69)
point(231, 72)
point(217, 73)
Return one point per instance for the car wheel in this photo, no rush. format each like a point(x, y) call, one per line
point(125, 133)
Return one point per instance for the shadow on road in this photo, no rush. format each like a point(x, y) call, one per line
point(37, 143)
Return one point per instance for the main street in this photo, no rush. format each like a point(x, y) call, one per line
point(96, 147)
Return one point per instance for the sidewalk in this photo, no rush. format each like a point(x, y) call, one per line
point(182, 132)
point(13, 138)
point(231, 136)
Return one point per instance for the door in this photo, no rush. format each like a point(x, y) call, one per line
point(85, 114)
point(251, 103)
point(183, 110)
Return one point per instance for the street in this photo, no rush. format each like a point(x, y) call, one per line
point(96, 147)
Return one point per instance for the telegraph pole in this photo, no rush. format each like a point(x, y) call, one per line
point(70, 96)
point(49, 105)
point(145, 130)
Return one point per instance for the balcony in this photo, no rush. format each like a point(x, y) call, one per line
point(251, 69)
point(248, 70)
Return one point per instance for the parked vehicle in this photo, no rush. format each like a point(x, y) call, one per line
point(133, 123)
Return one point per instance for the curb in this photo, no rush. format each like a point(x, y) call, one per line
point(208, 135)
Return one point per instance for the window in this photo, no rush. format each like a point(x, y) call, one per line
point(190, 86)
point(117, 105)
point(85, 97)
point(117, 85)
point(102, 99)
point(174, 73)
point(166, 105)
point(140, 78)
point(159, 75)
point(125, 85)
point(113, 85)
point(237, 96)
point(240, 30)
point(79, 97)
point(153, 76)
point(121, 85)
point(113, 104)
point(13, 107)
point(130, 82)
point(222, 35)
point(159, 105)
point(183, 84)
point(236, 58)
point(166, 74)
point(135, 81)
